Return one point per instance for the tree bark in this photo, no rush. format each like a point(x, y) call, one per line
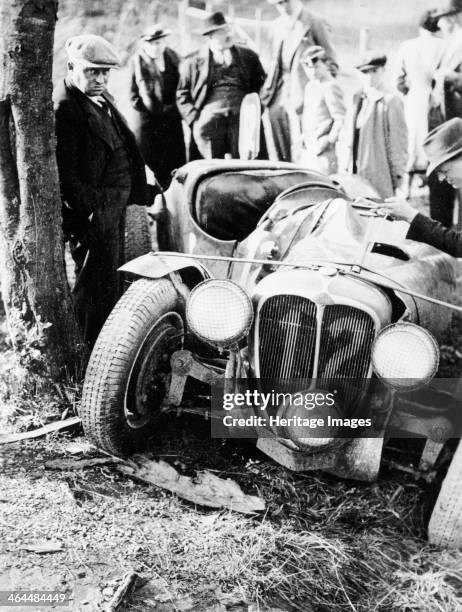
point(34, 286)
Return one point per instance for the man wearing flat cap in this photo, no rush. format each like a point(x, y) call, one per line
point(294, 31)
point(156, 121)
point(101, 172)
point(378, 132)
point(213, 83)
point(443, 148)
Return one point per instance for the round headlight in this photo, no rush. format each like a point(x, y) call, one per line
point(405, 356)
point(219, 312)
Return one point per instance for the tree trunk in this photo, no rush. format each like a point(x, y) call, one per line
point(35, 291)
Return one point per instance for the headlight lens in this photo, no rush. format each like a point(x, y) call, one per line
point(405, 356)
point(219, 312)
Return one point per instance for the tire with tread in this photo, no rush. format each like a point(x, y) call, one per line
point(445, 526)
point(139, 317)
point(138, 240)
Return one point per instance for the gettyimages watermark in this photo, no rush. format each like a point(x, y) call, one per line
point(340, 408)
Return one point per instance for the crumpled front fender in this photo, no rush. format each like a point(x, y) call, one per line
point(158, 265)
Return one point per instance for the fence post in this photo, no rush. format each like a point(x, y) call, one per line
point(183, 26)
point(363, 40)
point(258, 23)
point(231, 13)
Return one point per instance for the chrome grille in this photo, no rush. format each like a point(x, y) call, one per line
point(287, 337)
point(346, 338)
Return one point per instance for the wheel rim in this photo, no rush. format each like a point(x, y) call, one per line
point(149, 379)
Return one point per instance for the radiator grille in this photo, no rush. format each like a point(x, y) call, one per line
point(346, 338)
point(287, 330)
point(287, 334)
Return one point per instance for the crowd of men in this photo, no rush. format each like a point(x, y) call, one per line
point(101, 160)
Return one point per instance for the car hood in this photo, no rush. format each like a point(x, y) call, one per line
point(334, 231)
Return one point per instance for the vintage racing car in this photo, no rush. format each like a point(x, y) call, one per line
point(269, 272)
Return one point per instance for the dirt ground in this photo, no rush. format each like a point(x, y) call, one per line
point(322, 545)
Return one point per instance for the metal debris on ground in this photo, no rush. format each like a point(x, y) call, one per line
point(205, 489)
point(125, 588)
point(79, 464)
point(41, 431)
point(42, 548)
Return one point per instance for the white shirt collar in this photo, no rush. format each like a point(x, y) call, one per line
point(160, 62)
point(98, 100)
point(221, 57)
point(373, 93)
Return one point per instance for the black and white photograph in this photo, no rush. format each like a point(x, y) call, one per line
point(230, 305)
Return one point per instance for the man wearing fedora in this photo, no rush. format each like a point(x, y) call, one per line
point(156, 121)
point(446, 100)
point(213, 82)
point(443, 148)
point(294, 31)
point(101, 172)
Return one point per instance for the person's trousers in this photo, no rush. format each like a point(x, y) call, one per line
point(217, 135)
point(281, 131)
point(442, 198)
point(160, 140)
point(98, 255)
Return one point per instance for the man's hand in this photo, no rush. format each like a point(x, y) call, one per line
point(322, 145)
point(399, 208)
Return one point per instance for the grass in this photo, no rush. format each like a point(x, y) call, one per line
point(322, 545)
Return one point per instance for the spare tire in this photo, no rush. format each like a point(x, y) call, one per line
point(138, 239)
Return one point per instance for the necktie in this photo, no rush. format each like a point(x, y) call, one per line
point(105, 106)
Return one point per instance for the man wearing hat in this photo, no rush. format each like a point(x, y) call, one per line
point(443, 147)
point(323, 112)
point(378, 131)
point(291, 33)
point(101, 172)
point(446, 100)
point(417, 61)
point(156, 121)
point(213, 82)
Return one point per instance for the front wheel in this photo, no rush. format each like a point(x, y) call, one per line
point(128, 374)
point(445, 526)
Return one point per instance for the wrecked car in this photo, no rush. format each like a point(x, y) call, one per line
point(269, 273)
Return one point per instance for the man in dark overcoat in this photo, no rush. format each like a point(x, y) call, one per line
point(446, 101)
point(156, 123)
point(101, 172)
point(295, 30)
point(443, 148)
point(213, 83)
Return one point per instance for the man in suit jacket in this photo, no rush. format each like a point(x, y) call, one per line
point(443, 147)
point(294, 31)
point(100, 171)
point(213, 82)
point(156, 122)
